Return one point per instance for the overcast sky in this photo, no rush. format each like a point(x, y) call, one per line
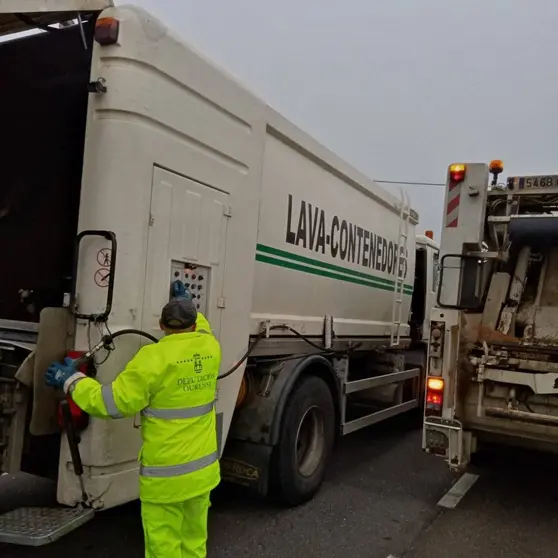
point(398, 88)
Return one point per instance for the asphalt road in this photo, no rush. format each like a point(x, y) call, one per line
point(379, 500)
point(511, 512)
point(380, 494)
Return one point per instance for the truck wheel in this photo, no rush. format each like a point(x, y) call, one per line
point(305, 442)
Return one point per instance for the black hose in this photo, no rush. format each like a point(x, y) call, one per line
point(248, 352)
point(244, 356)
point(322, 350)
point(107, 339)
point(107, 343)
point(134, 332)
point(304, 338)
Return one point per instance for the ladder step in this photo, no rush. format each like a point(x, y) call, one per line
point(40, 526)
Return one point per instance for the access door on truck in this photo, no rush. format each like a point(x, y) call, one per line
point(186, 243)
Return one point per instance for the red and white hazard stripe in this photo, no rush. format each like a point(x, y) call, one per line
point(452, 207)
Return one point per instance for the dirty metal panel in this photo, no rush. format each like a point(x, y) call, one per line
point(541, 384)
point(495, 299)
point(501, 359)
point(491, 336)
point(40, 526)
point(549, 294)
point(546, 331)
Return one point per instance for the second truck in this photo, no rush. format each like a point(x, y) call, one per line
point(134, 161)
point(493, 357)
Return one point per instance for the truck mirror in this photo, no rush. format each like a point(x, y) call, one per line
point(460, 283)
point(93, 275)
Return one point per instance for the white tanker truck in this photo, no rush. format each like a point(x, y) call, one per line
point(133, 160)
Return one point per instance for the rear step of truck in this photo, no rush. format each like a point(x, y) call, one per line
point(40, 526)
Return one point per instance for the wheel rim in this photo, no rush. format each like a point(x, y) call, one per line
point(310, 442)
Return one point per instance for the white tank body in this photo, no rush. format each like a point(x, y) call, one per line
point(187, 167)
point(327, 243)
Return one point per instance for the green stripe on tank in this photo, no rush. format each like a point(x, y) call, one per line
point(322, 269)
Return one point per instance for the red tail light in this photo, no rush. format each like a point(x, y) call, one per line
point(434, 396)
point(80, 418)
point(457, 173)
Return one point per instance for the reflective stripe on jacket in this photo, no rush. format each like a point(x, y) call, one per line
point(173, 385)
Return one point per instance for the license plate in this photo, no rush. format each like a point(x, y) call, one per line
point(534, 182)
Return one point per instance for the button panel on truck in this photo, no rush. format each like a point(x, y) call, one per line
point(195, 279)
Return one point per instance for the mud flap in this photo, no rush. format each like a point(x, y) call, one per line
point(247, 464)
point(55, 338)
point(40, 526)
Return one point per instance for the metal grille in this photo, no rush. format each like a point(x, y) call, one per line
point(40, 526)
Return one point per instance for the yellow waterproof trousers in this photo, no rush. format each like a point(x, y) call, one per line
point(176, 530)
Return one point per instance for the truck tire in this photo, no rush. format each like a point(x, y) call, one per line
point(305, 442)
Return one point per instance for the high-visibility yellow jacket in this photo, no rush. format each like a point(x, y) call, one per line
point(173, 384)
point(202, 325)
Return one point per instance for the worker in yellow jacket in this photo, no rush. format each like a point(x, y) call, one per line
point(173, 384)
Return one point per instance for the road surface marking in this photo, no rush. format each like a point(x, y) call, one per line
point(458, 490)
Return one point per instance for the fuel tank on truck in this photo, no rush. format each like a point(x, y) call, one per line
point(327, 245)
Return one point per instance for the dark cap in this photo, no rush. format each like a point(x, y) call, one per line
point(179, 314)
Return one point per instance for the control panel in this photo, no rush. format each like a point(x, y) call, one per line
point(195, 279)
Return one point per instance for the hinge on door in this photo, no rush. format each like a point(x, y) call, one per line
point(221, 302)
point(151, 219)
point(227, 211)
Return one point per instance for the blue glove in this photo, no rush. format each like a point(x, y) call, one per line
point(58, 373)
point(180, 290)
